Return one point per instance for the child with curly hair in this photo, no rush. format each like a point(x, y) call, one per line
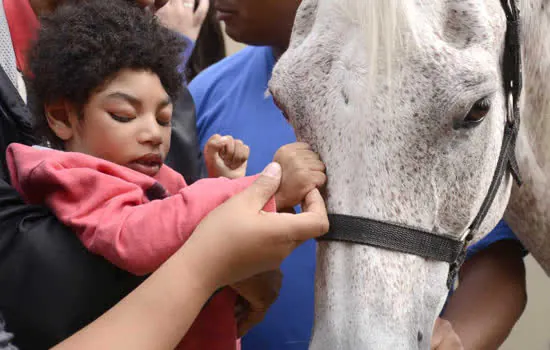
point(104, 76)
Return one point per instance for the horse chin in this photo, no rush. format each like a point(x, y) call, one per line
point(370, 298)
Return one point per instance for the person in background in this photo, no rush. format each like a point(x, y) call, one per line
point(230, 97)
point(205, 43)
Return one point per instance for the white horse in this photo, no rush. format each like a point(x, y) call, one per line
point(404, 102)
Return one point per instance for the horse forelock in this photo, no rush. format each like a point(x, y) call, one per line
point(387, 28)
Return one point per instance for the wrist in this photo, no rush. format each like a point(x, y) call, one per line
point(212, 169)
point(201, 271)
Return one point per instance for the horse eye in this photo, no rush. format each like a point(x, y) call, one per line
point(475, 115)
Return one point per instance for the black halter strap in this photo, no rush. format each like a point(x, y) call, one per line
point(443, 247)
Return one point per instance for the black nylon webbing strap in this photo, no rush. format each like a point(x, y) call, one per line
point(512, 82)
point(394, 237)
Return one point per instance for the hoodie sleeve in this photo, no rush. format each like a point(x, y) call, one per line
point(105, 204)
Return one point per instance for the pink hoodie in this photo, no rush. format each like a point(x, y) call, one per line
point(134, 221)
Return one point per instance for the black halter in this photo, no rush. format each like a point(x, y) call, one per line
point(438, 247)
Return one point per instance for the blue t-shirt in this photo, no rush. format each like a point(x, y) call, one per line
point(230, 98)
point(501, 232)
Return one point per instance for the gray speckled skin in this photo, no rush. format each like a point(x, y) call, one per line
point(529, 209)
point(375, 87)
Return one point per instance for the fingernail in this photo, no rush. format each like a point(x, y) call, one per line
point(273, 170)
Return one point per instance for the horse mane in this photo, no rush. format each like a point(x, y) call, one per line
point(386, 27)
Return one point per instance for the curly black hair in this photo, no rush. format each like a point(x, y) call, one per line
point(84, 44)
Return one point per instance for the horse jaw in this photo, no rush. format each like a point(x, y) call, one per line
point(368, 298)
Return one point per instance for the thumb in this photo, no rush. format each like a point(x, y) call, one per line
point(265, 186)
point(214, 145)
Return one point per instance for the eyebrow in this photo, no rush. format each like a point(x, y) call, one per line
point(136, 102)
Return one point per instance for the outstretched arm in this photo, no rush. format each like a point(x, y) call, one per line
point(158, 313)
point(491, 296)
point(107, 206)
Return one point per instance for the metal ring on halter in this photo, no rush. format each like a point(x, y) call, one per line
point(510, 117)
point(190, 5)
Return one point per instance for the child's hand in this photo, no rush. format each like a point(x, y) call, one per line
point(302, 172)
point(225, 156)
point(257, 294)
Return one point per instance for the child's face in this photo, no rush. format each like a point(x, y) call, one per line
point(127, 122)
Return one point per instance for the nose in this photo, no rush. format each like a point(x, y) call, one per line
point(151, 133)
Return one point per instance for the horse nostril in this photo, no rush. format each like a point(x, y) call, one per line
point(420, 336)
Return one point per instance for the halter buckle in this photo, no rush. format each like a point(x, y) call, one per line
point(510, 116)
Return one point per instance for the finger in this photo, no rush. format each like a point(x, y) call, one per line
point(212, 149)
point(451, 342)
point(302, 145)
point(260, 192)
point(202, 10)
point(314, 204)
point(308, 152)
point(213, 143)
point(296, 147)
point(312, 222)
point(316, 165)
point(228, 151)
point(318, 178)
point(441, 328)
point(242, 152)
point(252, 318)
point(305, 157)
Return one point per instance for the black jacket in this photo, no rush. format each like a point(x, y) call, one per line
point(50, 285)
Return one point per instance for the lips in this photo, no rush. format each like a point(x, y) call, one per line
point(149, 164)
point(223, 13)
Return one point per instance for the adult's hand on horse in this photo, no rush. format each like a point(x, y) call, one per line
point(239, 240)
point(257, 294)
point(444, 337)
point(182, 17)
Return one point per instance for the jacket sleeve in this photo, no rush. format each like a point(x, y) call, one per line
point(106, 205)
point(139, 238)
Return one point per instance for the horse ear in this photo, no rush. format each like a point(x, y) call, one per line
point(303, 23)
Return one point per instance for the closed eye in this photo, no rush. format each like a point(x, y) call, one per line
point(120, 118)
point(164, 122)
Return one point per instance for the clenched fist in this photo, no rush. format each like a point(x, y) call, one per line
point(226, 156)
point(302, 170)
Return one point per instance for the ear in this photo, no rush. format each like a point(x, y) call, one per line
point(61, 118)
